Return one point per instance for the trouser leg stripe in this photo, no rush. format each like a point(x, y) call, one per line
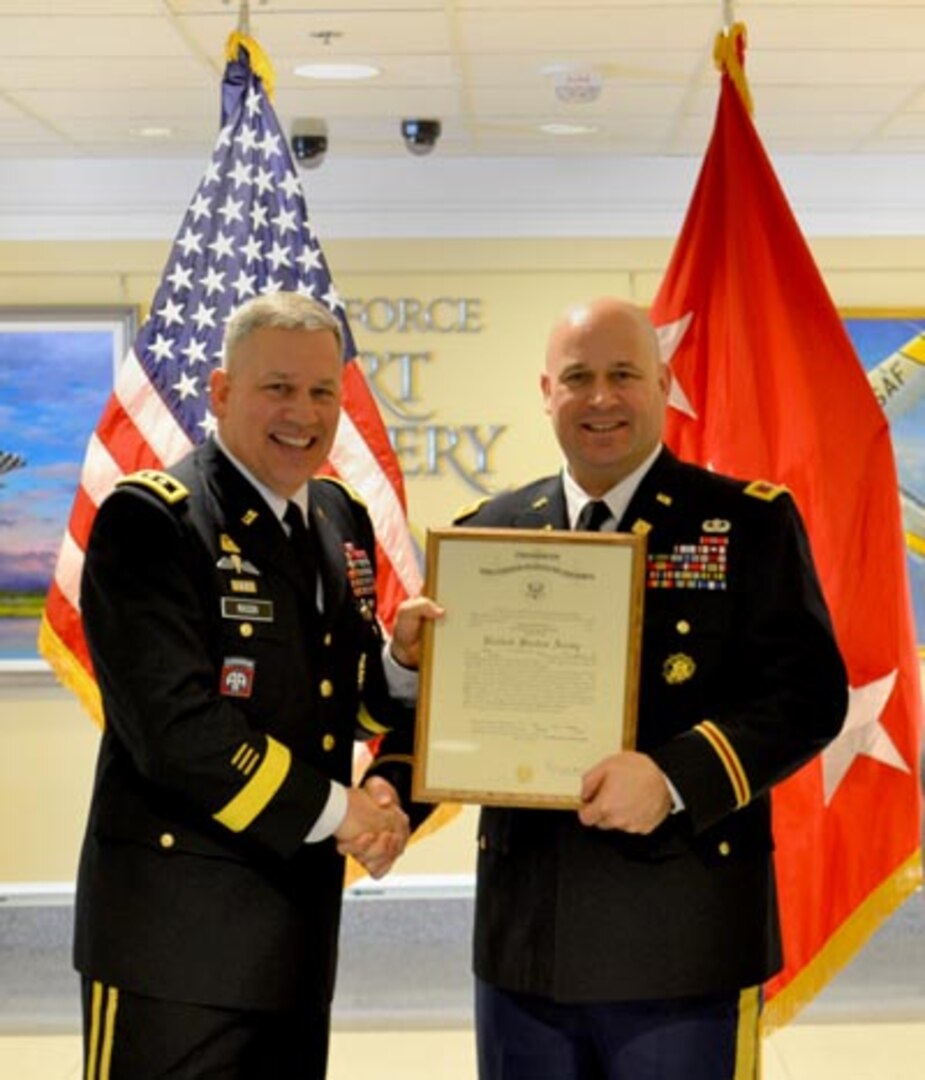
point(748, 1049)
point(103, 1006)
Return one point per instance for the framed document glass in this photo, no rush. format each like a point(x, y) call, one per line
point(532, 675)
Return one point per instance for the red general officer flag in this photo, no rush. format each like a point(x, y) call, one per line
point(767, 385)
point(246, 231)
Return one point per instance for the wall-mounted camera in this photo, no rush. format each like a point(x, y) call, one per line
point(420, 135)
point(309, 141)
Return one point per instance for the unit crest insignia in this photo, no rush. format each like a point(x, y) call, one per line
point(678, 668)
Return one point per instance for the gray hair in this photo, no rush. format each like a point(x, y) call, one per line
point(283, 311)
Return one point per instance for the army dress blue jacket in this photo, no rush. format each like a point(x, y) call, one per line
point(741, 683)
point(230, 702)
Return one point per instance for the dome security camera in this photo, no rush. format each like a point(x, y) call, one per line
point(309, 142)
point(420, 135)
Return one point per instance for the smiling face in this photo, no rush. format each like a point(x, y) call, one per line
point(606, 391)
point(278, 403)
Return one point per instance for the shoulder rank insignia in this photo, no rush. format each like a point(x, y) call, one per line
point(468, 511)
point(764, 489)
point(162, 484)
point(346, 487)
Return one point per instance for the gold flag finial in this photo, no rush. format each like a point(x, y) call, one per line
point(729, 57)
point(260, 62)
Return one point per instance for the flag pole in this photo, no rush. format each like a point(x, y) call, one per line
point(244, 18)
point(728, 14)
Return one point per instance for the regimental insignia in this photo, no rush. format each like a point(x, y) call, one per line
point(764, 489)
point(641, 527)
point(250, 516)
point(237, 677)
point(160, 483)
point(716, 525)
point(678, 668)
point(690, 566)
point(539, 503)
point(664, 499)
point(228, 545)
point(361, 578)
point(524, 774)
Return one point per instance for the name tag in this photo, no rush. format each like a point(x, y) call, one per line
point(250, 610)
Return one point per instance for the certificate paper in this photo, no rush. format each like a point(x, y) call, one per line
point(532, 675)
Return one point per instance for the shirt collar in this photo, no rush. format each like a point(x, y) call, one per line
point(275, 502)
point(617, 498)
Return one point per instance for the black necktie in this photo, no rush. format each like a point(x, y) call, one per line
point(301, 545)
point(592, 517)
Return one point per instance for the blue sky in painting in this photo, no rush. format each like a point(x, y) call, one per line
point(53, 386)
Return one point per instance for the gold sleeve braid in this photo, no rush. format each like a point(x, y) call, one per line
point(268, 778)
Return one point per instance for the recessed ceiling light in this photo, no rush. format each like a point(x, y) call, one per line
point(337, 71)
point(568, 129)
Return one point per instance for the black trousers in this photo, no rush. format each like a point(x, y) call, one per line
point(131, 1037)
point(521, 1037)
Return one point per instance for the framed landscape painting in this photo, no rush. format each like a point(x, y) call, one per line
point(56, 373)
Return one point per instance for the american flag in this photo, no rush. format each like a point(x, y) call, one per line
point(245, 232)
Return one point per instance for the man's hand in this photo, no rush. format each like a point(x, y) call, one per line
point(375, 830)
point(625, 791)
point(409, 628)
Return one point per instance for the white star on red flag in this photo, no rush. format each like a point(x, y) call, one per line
point(670, 336)
point(863, 734)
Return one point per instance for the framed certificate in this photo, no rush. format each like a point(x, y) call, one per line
point(532, 675)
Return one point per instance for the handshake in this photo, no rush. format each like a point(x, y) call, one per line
point(375, 830)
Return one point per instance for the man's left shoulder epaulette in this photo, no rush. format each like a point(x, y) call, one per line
point(353, 496)
point(162, 484)
point(467, 511)
point(764, 489)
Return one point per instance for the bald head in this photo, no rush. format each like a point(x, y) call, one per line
point(605, 389)
point(605, 317)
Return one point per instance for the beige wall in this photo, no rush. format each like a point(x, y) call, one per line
point(47, 745)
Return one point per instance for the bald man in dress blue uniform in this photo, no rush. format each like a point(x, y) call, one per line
point(630, 941)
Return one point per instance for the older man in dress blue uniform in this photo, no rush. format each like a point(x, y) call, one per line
point(229, 606)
